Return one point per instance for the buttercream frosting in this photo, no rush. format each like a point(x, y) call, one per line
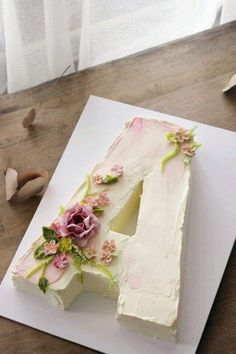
point(146, 217)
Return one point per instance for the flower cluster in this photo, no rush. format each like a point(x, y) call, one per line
point(184, 143)
point(108, 248)
point(186, 140)
point(98, 200)
point(66, 239)
point(117, 172)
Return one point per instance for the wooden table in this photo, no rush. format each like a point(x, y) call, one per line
point(183, 78)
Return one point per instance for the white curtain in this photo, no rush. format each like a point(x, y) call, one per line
point(40, 38)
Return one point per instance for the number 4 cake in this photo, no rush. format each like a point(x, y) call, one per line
point(122, 233)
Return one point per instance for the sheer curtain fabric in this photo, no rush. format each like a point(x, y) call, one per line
point(40, 38)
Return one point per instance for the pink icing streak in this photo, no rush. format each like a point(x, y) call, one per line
point(134, 282)
point(137, 124)
point(28, 262)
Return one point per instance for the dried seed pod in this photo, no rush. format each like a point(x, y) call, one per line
point(29, 118)
point(231, 84)
point(11, 183)
point(26, 184)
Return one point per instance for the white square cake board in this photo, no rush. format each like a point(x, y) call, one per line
point(90, 321)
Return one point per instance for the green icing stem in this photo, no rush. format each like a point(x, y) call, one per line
point(42, 266)
point(169, 156)
point(105, 270)
point(87, 186)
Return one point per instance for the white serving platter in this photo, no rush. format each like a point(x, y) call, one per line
point(90, 321)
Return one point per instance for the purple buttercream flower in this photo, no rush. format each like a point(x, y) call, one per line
point(79, 223)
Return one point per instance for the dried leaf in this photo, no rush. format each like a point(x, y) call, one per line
point(30, 174)
point(231, 84)
point(30, 183)
point(31, 188)
point(26, 184)
point(29, 118)
point(11, 183)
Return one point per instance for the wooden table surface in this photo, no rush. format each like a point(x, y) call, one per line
point(183, 78)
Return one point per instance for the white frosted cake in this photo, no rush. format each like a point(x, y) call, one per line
point(122, 233)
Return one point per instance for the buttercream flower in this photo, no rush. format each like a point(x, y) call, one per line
point(106, 258)
point(109, 246)
point(118, 170)
point(90, 252)
point(57, 227)
point(102, 199)
point(188, 149)
point(97, 179)
point(78, 223)
point(50, 247)
point(92, 201)
point(65, 244)
point(182, 135)
point(61, 261)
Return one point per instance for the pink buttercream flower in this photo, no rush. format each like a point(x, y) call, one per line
point(109, 246)
point(118, 170)
point(182, 135)
point(92, 201)
point(188, 149)
point(50, 247)
point(79, 223)
point(61, 261)
point(106, 258)
point(102, 199)
point(97, 179)
point(57, 227)
point(90, 252)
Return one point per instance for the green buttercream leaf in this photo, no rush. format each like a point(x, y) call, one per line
point(110, 179)
point(115, 253)
point(171, 137)
point(196, 145)
point(187, 160)
point(77, 263)
point(87, 186)
point(39, 266)
point(39, 252)
point(43, 284)
point(169, 156)
point(62, 210)
point(77, 252)
point(49, 234)
point(98, 211)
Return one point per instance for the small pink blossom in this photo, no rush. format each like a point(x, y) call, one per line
point(90, 252)
point(106, 258)
point(109, 246)
point(188, 149)
point(50, 247)
point(57, 227)
point(102, 199)
point(61, 261)
point(182, 135)
point(118, 170)
point(97, 179)
point(92, 201)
